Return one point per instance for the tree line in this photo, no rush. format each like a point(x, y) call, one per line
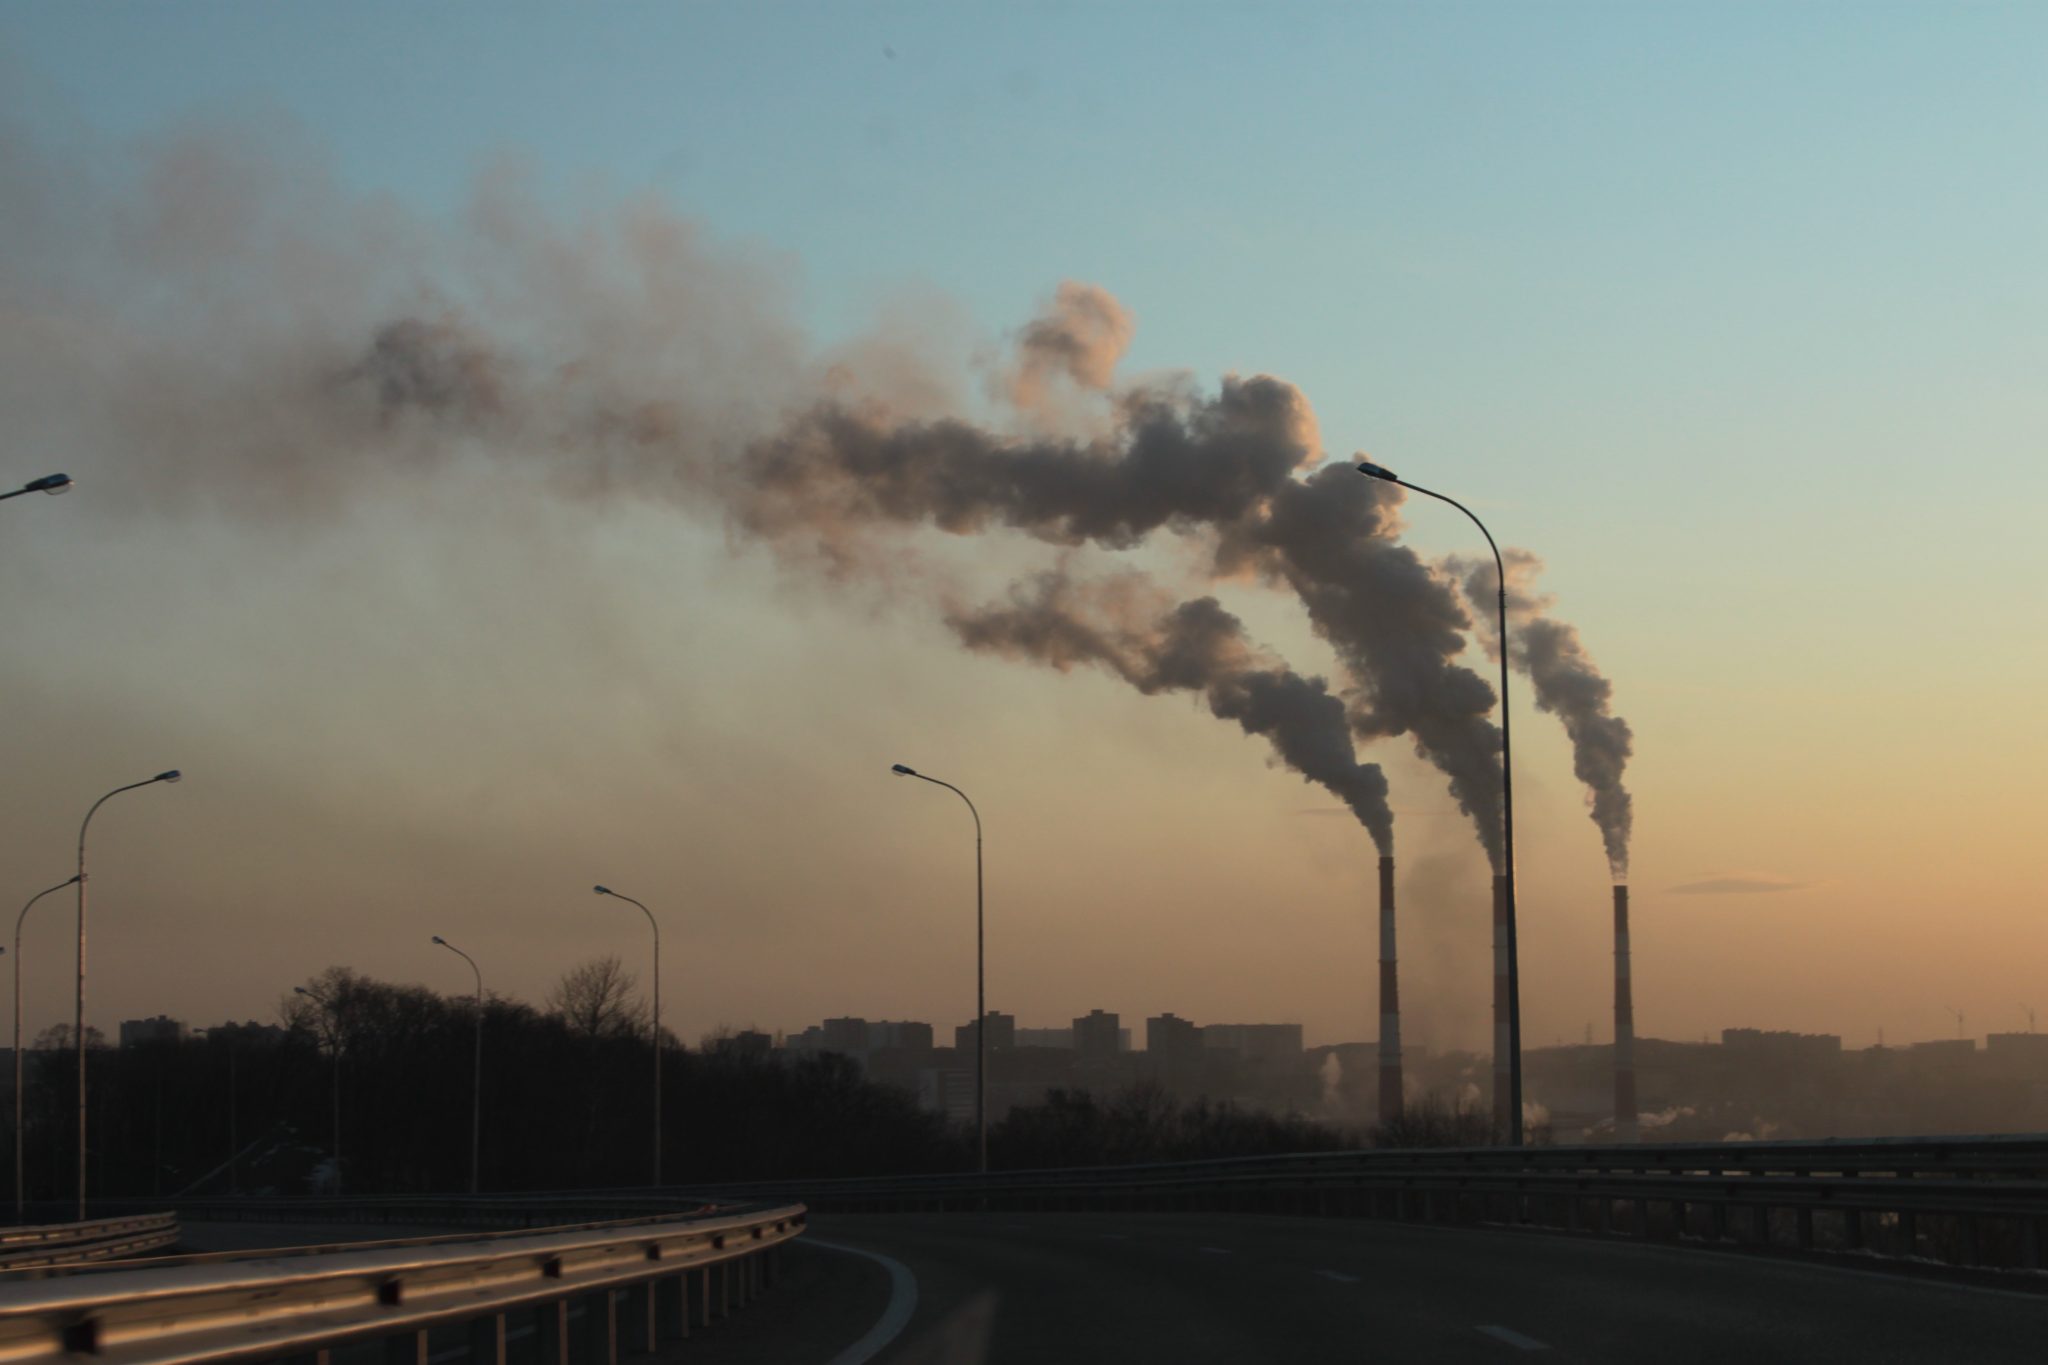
point(383, 1074)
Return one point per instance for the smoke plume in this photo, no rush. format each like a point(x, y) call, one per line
point(1196, 647)
point(1567, 684)
point(232, 326)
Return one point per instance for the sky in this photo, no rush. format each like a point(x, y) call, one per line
point(1732, 314)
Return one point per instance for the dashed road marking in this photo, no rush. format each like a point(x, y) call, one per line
point(1513, 1338)
point(1215, 1251)
point(1339, 1278)
point(1114, 1236)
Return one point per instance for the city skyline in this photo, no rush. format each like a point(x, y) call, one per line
point(1694, 360)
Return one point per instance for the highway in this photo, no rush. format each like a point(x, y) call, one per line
point(1189, 1289)
point(1238, 1290)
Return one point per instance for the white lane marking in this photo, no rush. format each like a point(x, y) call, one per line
point(1513, 1338)
point(902, 1303)
point(1340, 1279)
point(1215, 1251)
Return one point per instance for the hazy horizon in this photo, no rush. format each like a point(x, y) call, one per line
point(1729, 316)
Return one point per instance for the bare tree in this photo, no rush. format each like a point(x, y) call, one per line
point(595, 999)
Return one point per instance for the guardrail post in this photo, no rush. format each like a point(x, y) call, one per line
point(1805, 1228)
point(601, 1329)
point(2030, 1242)
point(704, 1298)
point(551, 1329)
point(1909, 1233)
point(407, 1348)
point(682, 1301)
point(724, 1290)
point(487, 1340)
point(1852, 1230)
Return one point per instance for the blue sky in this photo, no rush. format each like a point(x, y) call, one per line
point(1736, 313)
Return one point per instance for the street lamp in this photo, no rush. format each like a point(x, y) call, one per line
point(476, 1110)
point(332, 1009)
point(20, 1181)
point(1507, 806)
point(49, 483)
point(980, 977)
point(607, 891)
point(79, 1022)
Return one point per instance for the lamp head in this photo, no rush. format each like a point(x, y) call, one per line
point(603, 890)
point(1377, 471)
point(49, 483)
point(300, 990)
point(903, 770)
point(172, 776)
point(442, 941)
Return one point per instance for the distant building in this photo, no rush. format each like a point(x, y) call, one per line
point(1096, 1034)
point(907, 1034)
point(1002, 1033)
point(1255, 1042)
point(1169, 1038)
point(947, 1091)
point(161, 1029)
point(848, 1035)
point(1046, 1037)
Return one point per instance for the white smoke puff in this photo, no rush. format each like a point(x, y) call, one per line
point(1080, 338)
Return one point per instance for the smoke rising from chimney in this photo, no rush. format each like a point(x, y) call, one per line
point(229, 312)
point(1125, 626)
point(1567, 684)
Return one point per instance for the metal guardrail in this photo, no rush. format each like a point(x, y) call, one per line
point(98, 1240)
point(587, 1293)
point(1965, 1201)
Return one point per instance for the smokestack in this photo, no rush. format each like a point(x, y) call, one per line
point(1626, 1128)
point(1503, 1088)
point(1390, 1001)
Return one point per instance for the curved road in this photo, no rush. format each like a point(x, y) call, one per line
point(1237, 1290)
point(1191, 1289)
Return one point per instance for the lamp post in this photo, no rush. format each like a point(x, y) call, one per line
point(1507, 805)
point(20, 1169)
point(607, 891)
point(332, 1010)
point(49, 483)
point(476, 1109)
point(78, 1023)
point(980, 977)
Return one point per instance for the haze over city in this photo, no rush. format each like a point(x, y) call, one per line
point(410, 390)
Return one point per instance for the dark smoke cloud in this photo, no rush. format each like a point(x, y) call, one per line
point(435, 367)
point(1222, 469)
point(1196, 646)
point(1567, 684)
point(248, 333)
point(1396, 624)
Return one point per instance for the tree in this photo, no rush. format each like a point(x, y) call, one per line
point(595, 999)
point(57, 1038)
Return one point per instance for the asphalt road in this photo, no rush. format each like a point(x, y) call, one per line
point(1189, 1289)
point(1240, 1290)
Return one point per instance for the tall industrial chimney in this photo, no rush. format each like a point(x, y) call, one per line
point(1390, 1001)
point(1503, 1087)
point(1626, 1127)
